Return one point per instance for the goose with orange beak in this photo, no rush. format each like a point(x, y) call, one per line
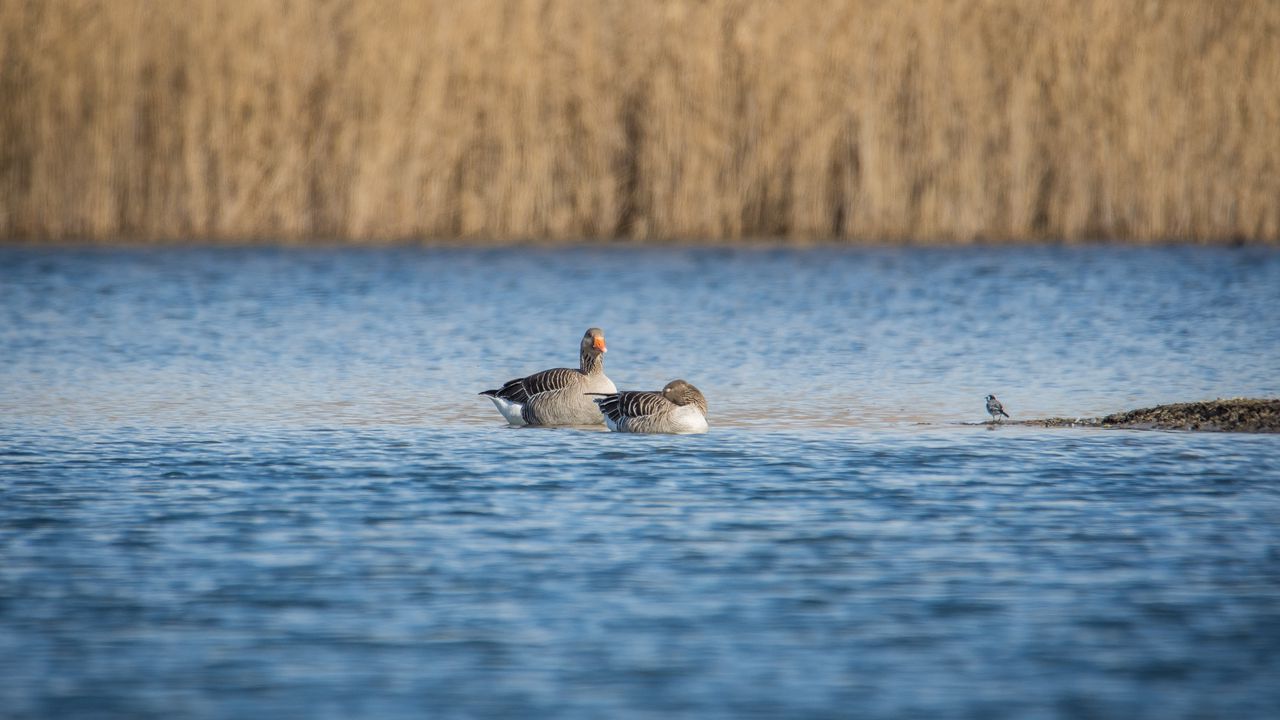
point(558, 396)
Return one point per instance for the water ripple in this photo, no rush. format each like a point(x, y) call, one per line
point(286, 500)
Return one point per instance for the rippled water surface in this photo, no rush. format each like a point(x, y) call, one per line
point(260, 483)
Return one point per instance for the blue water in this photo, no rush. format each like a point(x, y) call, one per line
point(259, 483)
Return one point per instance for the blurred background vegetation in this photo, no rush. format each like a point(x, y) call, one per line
point(862, 120)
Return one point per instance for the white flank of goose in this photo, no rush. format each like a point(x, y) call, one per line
point(558, 396)
point(678, 408)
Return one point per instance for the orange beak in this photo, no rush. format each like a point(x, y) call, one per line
point(599, 344)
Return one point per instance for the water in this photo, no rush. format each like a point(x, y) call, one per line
point(259, 483)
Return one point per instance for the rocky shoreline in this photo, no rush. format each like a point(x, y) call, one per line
point(1251, 415)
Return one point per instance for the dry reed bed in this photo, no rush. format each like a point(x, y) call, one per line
point(950, 120)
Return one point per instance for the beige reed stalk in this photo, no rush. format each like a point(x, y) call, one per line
point(858, 120)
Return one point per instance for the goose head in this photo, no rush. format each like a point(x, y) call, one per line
point(682, 393)
point(593, 342)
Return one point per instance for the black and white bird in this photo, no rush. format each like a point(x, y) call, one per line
point(558, 396)
point(678, 408)
point(995, 409)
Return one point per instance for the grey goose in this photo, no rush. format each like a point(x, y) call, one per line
point(678, 408)
point(558, 396)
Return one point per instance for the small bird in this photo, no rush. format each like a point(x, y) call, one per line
point(678, 408)
point(558, 396)
point(995, 409)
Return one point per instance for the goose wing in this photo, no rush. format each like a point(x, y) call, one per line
point(522, 389)
point(632, 404)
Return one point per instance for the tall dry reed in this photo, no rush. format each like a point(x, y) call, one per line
point(876, 120)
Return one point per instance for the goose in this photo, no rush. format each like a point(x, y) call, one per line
point(677, 408)
point(558, 396)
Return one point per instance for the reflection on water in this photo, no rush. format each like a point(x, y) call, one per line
point(779, 338)
point(260, 483)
